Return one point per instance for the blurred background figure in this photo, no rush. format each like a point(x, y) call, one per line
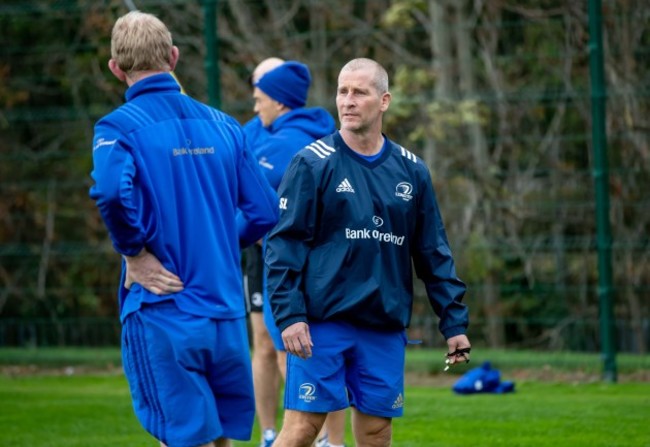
point(282, 126)
point(266, 372)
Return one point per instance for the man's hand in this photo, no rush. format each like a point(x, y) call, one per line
point(297, 340)
point(458, 350)
point(146, 270)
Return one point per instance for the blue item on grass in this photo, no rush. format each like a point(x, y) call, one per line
point(483, 379)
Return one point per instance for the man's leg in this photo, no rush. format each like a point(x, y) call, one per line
point(371, 431)
point(282, 363)
point(334, 428)
point(265, 373)
point(299, 428)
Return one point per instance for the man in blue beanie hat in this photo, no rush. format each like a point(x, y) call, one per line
point(253, 128)
point(266, 371)
point(287, 84)
point(280, 97)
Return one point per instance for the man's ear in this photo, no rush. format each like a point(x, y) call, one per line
point(116, 70)
point(173, 58)
point(281, 108)
point(385, 101)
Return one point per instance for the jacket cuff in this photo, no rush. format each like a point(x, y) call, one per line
point(291, 320)
point(453, 331)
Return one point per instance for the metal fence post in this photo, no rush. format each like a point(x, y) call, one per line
point(601, 179)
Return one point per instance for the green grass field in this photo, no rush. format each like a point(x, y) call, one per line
point(48, 408)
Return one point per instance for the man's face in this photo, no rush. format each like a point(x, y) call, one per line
point(358, 102)
point(267, 109)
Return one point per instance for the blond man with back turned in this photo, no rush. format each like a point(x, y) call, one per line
point(169, 175)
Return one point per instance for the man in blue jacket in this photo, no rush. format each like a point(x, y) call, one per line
point(280, 96)
point(169, 175)
point(266, 372)
point(357, 211)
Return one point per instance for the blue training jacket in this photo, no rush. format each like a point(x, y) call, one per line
point(169, 175)
point(255, 132)
point(274, 146)
point(349, 231)
point(287, 135)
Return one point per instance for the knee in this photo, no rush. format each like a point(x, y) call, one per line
point(384, 436)
point(307, 430)
point(377, 435)
point(299, 429)
point(263, 346)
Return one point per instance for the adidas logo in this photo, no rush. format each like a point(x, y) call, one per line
point(345, 186)
point(399, 402)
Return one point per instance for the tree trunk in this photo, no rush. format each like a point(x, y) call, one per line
point(495, 329)
point(441, 46)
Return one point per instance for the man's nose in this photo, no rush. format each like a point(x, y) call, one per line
point(347, 100)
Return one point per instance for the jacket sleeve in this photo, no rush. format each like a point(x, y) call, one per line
point(275, 163)
point(114, 172)
point(279, 150)
point(289, 243)
point(258, 202)
point(434, 265)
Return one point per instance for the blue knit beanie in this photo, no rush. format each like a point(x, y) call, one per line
point(288, 84)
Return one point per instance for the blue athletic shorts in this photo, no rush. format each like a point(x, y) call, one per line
point(190, 377)
point(269, 322)
point(350, 366)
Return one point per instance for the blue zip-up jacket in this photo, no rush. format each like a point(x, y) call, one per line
point(349, 231)
point(274, 146)
point(287, 135)
point(169, 175)
point(255, 132)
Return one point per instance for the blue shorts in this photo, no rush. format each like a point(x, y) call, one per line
point(350, 366)
point(190, 377)
point(269, 322)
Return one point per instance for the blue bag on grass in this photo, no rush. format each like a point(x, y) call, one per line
point(483, 379)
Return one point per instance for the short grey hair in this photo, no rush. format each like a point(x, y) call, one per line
point(363, 63)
